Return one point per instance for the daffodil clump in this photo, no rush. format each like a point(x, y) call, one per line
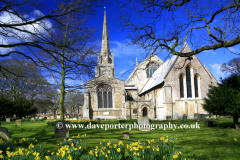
point(75, 142)
point(108, 150)
point(6, 146)
point(25, 142)
point(70, 149)
point(162, 148)
point(32, 152)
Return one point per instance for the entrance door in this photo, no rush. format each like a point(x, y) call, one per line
point(144, 111)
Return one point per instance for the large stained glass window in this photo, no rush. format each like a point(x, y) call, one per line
point(104, 96)
point(196, 85)
point(188, 79)
point(181, 87)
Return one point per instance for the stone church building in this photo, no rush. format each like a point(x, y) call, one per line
point(155, 88)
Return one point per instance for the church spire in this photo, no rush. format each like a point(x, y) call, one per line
point(105, 50)
point(105, 64)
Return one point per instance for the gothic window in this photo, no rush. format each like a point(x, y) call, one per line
point(151, 68)
point(196, 85)
point(104, 96)
point(181, 87)
point(188, 79)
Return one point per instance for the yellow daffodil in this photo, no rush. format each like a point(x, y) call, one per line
point(91, 152)
point(175, 156)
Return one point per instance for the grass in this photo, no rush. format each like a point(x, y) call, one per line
point(204, 143)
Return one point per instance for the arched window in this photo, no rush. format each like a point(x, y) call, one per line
point(151, 68)
point(188, 79)
point(196, 85)
point(104, 96)
point(181, 87)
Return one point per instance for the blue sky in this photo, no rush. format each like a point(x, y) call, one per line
point(125, 56)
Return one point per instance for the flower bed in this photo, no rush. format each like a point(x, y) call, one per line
point(76, 148)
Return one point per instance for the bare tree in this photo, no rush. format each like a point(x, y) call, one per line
point(22, 80)
point(233, 66)
point(74, 53)
point(166, 24)
point(25, 25)
point(74, 100)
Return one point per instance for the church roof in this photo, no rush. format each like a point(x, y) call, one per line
point(159, 75)
point(139, 65)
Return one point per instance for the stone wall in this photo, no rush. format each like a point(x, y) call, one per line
point(91, 101)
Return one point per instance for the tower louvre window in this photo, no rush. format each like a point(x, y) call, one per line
point(104, 96)
point(151, 68)
point(188, 79)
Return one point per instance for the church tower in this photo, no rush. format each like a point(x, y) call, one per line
point(105, 65)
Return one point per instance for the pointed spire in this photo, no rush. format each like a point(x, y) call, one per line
point(105, 50)
point(136, 62)
point(185, 48)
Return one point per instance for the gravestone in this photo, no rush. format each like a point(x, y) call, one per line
point(98, 120)
point(4, 134)
point(60, 129)
point(58, 117)
point(201, 117)
point(169, 117)
point(210, 123)
point(52, 117)
point(143, 124)
point(22, 117)
point(32, 119)
point(196, 116)
point(184, 118)
point(36, 117)
point(125, 135)
point(7, 119)
point(18, 122)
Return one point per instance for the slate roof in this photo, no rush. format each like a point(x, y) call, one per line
point(159, 75)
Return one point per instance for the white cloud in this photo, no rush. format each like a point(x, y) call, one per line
point(120, 49)
point(122, 71)
point(233, 49)
point(210, 52)
point(9, 35)
point(217, 71)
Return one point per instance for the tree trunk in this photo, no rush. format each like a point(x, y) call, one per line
point(235, 122)
point(62, 90)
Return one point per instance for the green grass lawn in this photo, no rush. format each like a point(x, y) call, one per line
point(204, 143)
